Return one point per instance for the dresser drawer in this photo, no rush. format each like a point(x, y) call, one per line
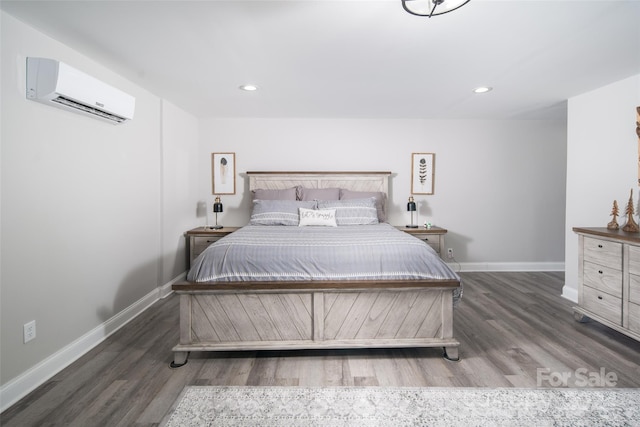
point(634, 260)
point(602, 304)
point(605, 279)
point(634, 288)
point(634, 318)
point(603, 252)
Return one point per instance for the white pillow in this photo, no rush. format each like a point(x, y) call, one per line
point(325, 217)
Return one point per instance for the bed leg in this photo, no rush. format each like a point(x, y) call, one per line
point(451, 353)
point(179, 359)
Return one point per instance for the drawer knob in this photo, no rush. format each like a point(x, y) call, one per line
point(600, 246)
point(600, 271)
point(599, 297)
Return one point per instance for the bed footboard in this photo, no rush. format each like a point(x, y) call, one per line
point(286, 319)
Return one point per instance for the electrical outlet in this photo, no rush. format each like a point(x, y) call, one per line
point(29, 330)
point(450, 253)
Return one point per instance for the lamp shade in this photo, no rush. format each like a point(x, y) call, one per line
point(411, 205)
point(432, 7)
point(217, 205)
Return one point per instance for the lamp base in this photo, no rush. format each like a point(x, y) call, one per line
point(216, 227)
point(411, 226)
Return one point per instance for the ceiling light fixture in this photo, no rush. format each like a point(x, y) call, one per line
point(482, 89)
point(431, 8)
point(249, 88)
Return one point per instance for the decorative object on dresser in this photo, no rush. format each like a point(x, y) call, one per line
point(433, 236)
point(422, 173)
point(613, 225)
point(199, 239)
point(631, 226)
point(411, 208)
point(609, 279)
point(223, 173)
point(217, 208)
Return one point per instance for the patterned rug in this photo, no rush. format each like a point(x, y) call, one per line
point(397, 406)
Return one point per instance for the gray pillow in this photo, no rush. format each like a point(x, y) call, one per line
point(320, 193)
point(352, 212)
point(381, 200)
point(286, 194)
point(278, 212)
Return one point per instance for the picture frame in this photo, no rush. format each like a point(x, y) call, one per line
point(422, 173)
point(223, 173)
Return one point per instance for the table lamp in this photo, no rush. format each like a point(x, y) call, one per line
point(217, 207)
point(411, 207)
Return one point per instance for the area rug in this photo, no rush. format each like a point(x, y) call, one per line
point(400, 406)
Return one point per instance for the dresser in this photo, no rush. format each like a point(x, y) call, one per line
point(434, 236)
point(609, 279)
point(198, 239)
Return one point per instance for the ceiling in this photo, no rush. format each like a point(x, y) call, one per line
point(353, 58)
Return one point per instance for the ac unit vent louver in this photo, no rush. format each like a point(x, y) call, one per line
point(55, 83)
point(71, 103)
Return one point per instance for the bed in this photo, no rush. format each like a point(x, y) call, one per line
point(317, 286)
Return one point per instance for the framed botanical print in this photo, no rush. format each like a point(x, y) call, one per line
point(223, 173)
point(422, 173)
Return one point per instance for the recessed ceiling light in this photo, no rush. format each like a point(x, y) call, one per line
point(482, 89)
point(249, 87)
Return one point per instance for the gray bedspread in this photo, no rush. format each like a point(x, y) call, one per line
point(280, 253)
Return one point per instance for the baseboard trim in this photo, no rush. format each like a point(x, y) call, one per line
point(25, 383)
point(570, 293)
point(506, 266)
point(165, 290)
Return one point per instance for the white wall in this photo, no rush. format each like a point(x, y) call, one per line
point(499, 185)
point(602, 163)
point(92, 213)
point(180, 187)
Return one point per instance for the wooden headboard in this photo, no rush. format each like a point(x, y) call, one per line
point(354, 181)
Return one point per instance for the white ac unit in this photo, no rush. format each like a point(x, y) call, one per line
point(55, 83)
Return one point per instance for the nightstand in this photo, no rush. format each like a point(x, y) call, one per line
point(434, 236)
point(200, 238)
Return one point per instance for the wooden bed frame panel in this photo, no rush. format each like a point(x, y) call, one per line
point(316, 314)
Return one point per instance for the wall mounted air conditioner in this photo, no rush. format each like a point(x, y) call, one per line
point(55, 83)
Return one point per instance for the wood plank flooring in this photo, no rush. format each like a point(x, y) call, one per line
point(510, 325)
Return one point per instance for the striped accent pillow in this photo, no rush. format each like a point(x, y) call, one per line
point(352, 212)
point(278, 212)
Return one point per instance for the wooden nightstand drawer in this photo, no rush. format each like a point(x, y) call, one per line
point(432, 240)
point(605, 279)
point(433, 236)
point(603, 252)
point(603, 304)
point(200, 238)
point(199, 244)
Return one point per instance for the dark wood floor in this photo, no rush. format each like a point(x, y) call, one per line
point(510, 325)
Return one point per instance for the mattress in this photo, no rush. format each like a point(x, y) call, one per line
point(289, 253)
